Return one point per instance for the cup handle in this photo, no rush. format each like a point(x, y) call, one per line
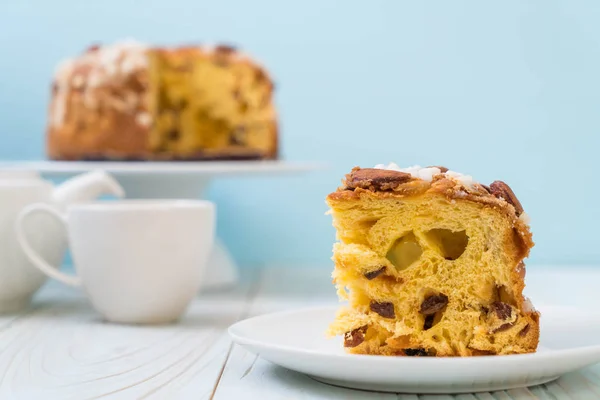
point(36, 260)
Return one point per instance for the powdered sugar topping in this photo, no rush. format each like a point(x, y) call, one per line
point(120, 58)
point(143, 119)
point(524, 217)
point(416, 171)
point(465, 180)
point(427, 173)
point(94, 68)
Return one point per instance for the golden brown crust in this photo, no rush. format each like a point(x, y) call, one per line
point(382, 180)
point(93, 110)
point(383, 183)
point(101, 109)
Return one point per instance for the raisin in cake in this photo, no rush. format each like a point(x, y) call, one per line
point(129, 101)
point(431, 264)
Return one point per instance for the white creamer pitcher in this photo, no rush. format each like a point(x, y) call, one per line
point(19, 279)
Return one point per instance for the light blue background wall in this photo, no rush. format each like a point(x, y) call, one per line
point(502, 90)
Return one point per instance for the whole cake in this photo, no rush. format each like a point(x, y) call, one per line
point(129, 101)
point(431, 263)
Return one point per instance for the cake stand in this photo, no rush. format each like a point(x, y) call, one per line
point(174, 180)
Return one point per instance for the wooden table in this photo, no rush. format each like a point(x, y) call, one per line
point(61, 349)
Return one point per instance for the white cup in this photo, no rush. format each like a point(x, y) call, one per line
point(139, 261)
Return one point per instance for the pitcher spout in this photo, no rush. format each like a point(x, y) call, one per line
point(87, 187)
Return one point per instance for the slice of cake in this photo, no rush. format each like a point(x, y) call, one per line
point(431, 263)
point(130, 101)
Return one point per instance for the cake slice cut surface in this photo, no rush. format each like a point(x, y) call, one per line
point(431, 264)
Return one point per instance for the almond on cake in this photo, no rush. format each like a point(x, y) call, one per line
point(431, 264)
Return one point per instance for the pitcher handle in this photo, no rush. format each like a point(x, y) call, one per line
point(31, 254)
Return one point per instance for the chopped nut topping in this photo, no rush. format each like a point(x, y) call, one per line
point(502, 190)
point(379, 179)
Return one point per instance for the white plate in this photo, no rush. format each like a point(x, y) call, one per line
point(570, 339)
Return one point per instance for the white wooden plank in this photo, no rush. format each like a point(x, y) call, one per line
point(577, 386)
point(402, 396)
point(249, 377)
point(61, 349)
point(47, 291)
point(555, 391)
point(521, 393)
point(465, 396)
point(592, 374)
point(500, 395)
point(285, 289)
point(541, 393)
point(64, 350)
point(484, 396)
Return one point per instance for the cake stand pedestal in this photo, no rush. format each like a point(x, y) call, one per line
point(175, 180)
